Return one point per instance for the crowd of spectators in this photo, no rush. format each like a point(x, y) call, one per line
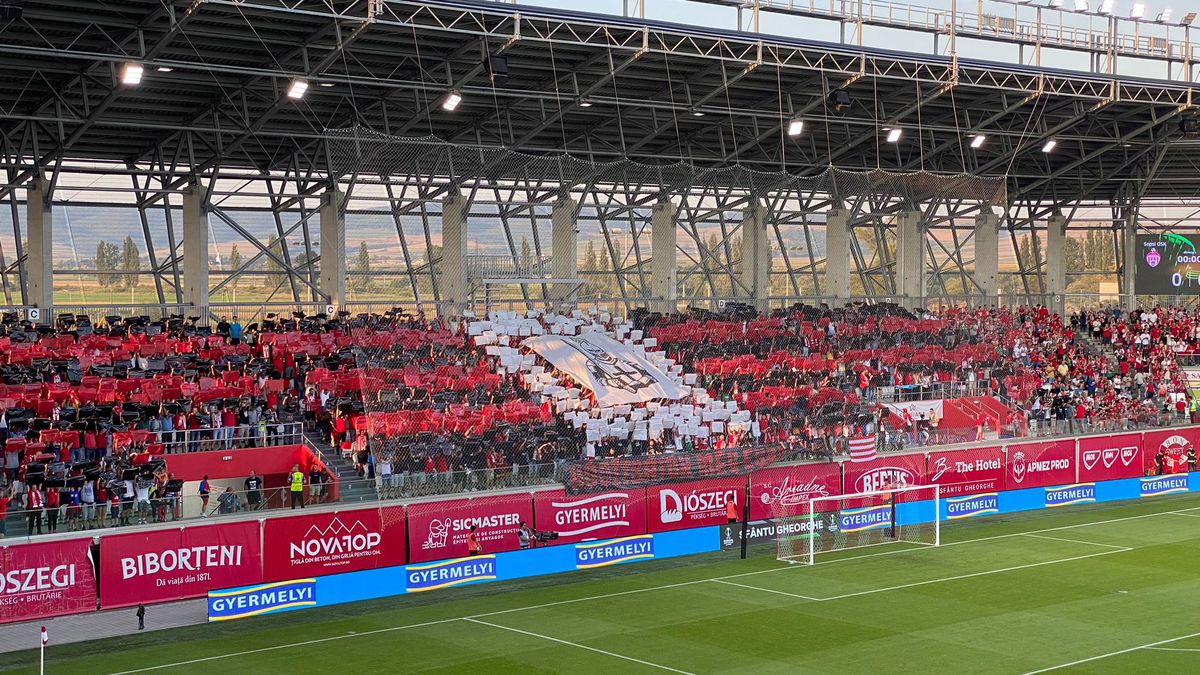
point(91, 413)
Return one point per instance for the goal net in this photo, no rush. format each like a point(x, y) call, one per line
point(904, 514)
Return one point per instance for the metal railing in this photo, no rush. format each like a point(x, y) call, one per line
point(231, 438)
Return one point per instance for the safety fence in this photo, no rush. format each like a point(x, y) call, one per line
point(160, 563)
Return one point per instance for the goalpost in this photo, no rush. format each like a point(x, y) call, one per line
point(904, 514)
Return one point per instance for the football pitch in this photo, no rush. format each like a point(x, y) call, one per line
point(1109, 588)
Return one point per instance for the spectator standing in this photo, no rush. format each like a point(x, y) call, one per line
point(253, 490)
point(296, 486)
point(228, 502)
point(34, 504)
point(53, 503)
point(4, 499)
point(204, 490)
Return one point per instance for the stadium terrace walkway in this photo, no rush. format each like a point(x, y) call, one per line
point(15, 637)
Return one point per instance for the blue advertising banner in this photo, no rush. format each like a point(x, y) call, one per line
point(263, 599)
point(614, 551)
point(1066, 495)
point(972, 505)
point(449, 573)
point(866, 518)
point(1164, 485)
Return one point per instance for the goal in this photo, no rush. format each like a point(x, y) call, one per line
point(904, 514)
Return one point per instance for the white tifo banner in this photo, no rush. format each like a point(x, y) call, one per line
point(617, 373)
point(916, 408)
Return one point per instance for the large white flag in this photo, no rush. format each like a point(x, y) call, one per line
point(615, 372)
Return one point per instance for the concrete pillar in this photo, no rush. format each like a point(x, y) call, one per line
point(987, 254)
point(1056, 268)
point(1128, 290)
point(564, 249)
point(39, 263)
point(837, 256)
point(910, 259)
point(755, 272)
point(453, 270)
point(664, 287)
point(195, 247)
point(333, 248)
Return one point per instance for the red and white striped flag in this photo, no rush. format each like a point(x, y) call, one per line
point(45, 637)
point(862, 448)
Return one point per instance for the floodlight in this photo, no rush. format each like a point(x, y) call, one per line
point(131, 74)
point(795, 127)
point(1106, 7)
point(1049, 146)
point(164, 69)
point(978, 141)
point(894, 134)
point(1138, 11)
point(1081, 5)
point(297, 88)
point(453, 98)
point(1164, 16)
point(1187, 19)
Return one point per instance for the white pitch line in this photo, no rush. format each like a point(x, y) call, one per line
point(1111, 654)
point(579, 646)
point(629, 592)
point(1079, 541)
point(967, 576)
point(766, 590)
point(1171, 649)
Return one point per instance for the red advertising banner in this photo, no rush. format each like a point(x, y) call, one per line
point(619, 513)
point(786, 490)
point(967, 472)
point(1166, 451)
point(38, 581)
point(894, 470)
point(1109, 457)
point(332, 543)
point(178, 563)
point(438, 530)
point(1040, 464)
point(695, 504)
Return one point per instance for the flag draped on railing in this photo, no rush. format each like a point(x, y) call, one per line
point(862, 448)
point(595, 475)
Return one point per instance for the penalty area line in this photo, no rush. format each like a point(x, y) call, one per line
point(579, 646)
point(1151, 645)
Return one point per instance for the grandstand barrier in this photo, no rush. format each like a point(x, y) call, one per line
point(349, 554)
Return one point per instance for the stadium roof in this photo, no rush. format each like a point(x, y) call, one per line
point(217, 74)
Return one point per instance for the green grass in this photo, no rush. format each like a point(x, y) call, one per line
point(1005, 595)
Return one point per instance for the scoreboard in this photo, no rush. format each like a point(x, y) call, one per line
point(1167, 264)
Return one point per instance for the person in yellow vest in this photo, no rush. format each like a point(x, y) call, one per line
point(296, 486)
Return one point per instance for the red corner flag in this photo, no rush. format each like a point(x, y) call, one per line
point(45, 638)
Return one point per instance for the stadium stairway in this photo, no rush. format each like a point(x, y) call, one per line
point(351, 488)
point(1098, 348)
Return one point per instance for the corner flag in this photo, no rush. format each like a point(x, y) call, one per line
point(45, 638)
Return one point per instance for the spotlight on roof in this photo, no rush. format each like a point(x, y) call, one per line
point(1138, 10)
point(1081, 5)
point(585, 103)
point(453, 98)
point(1056, 3)
point(697, 113)
point(131, 74)
point(1106, 7)
point(894, 135)
point(1163, 16)
point(1187, 19)
point(978, 140)
point(1049, 146)
point(164, 69)
point(296, 89)
point(795, 127)
point(327, 85)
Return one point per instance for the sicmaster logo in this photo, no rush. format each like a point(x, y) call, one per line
point(972, 505)
point(1164, 485)
point(1066, 495)
point(614, 551)
point(438, 531)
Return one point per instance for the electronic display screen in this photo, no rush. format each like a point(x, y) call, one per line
point(1167, 264)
